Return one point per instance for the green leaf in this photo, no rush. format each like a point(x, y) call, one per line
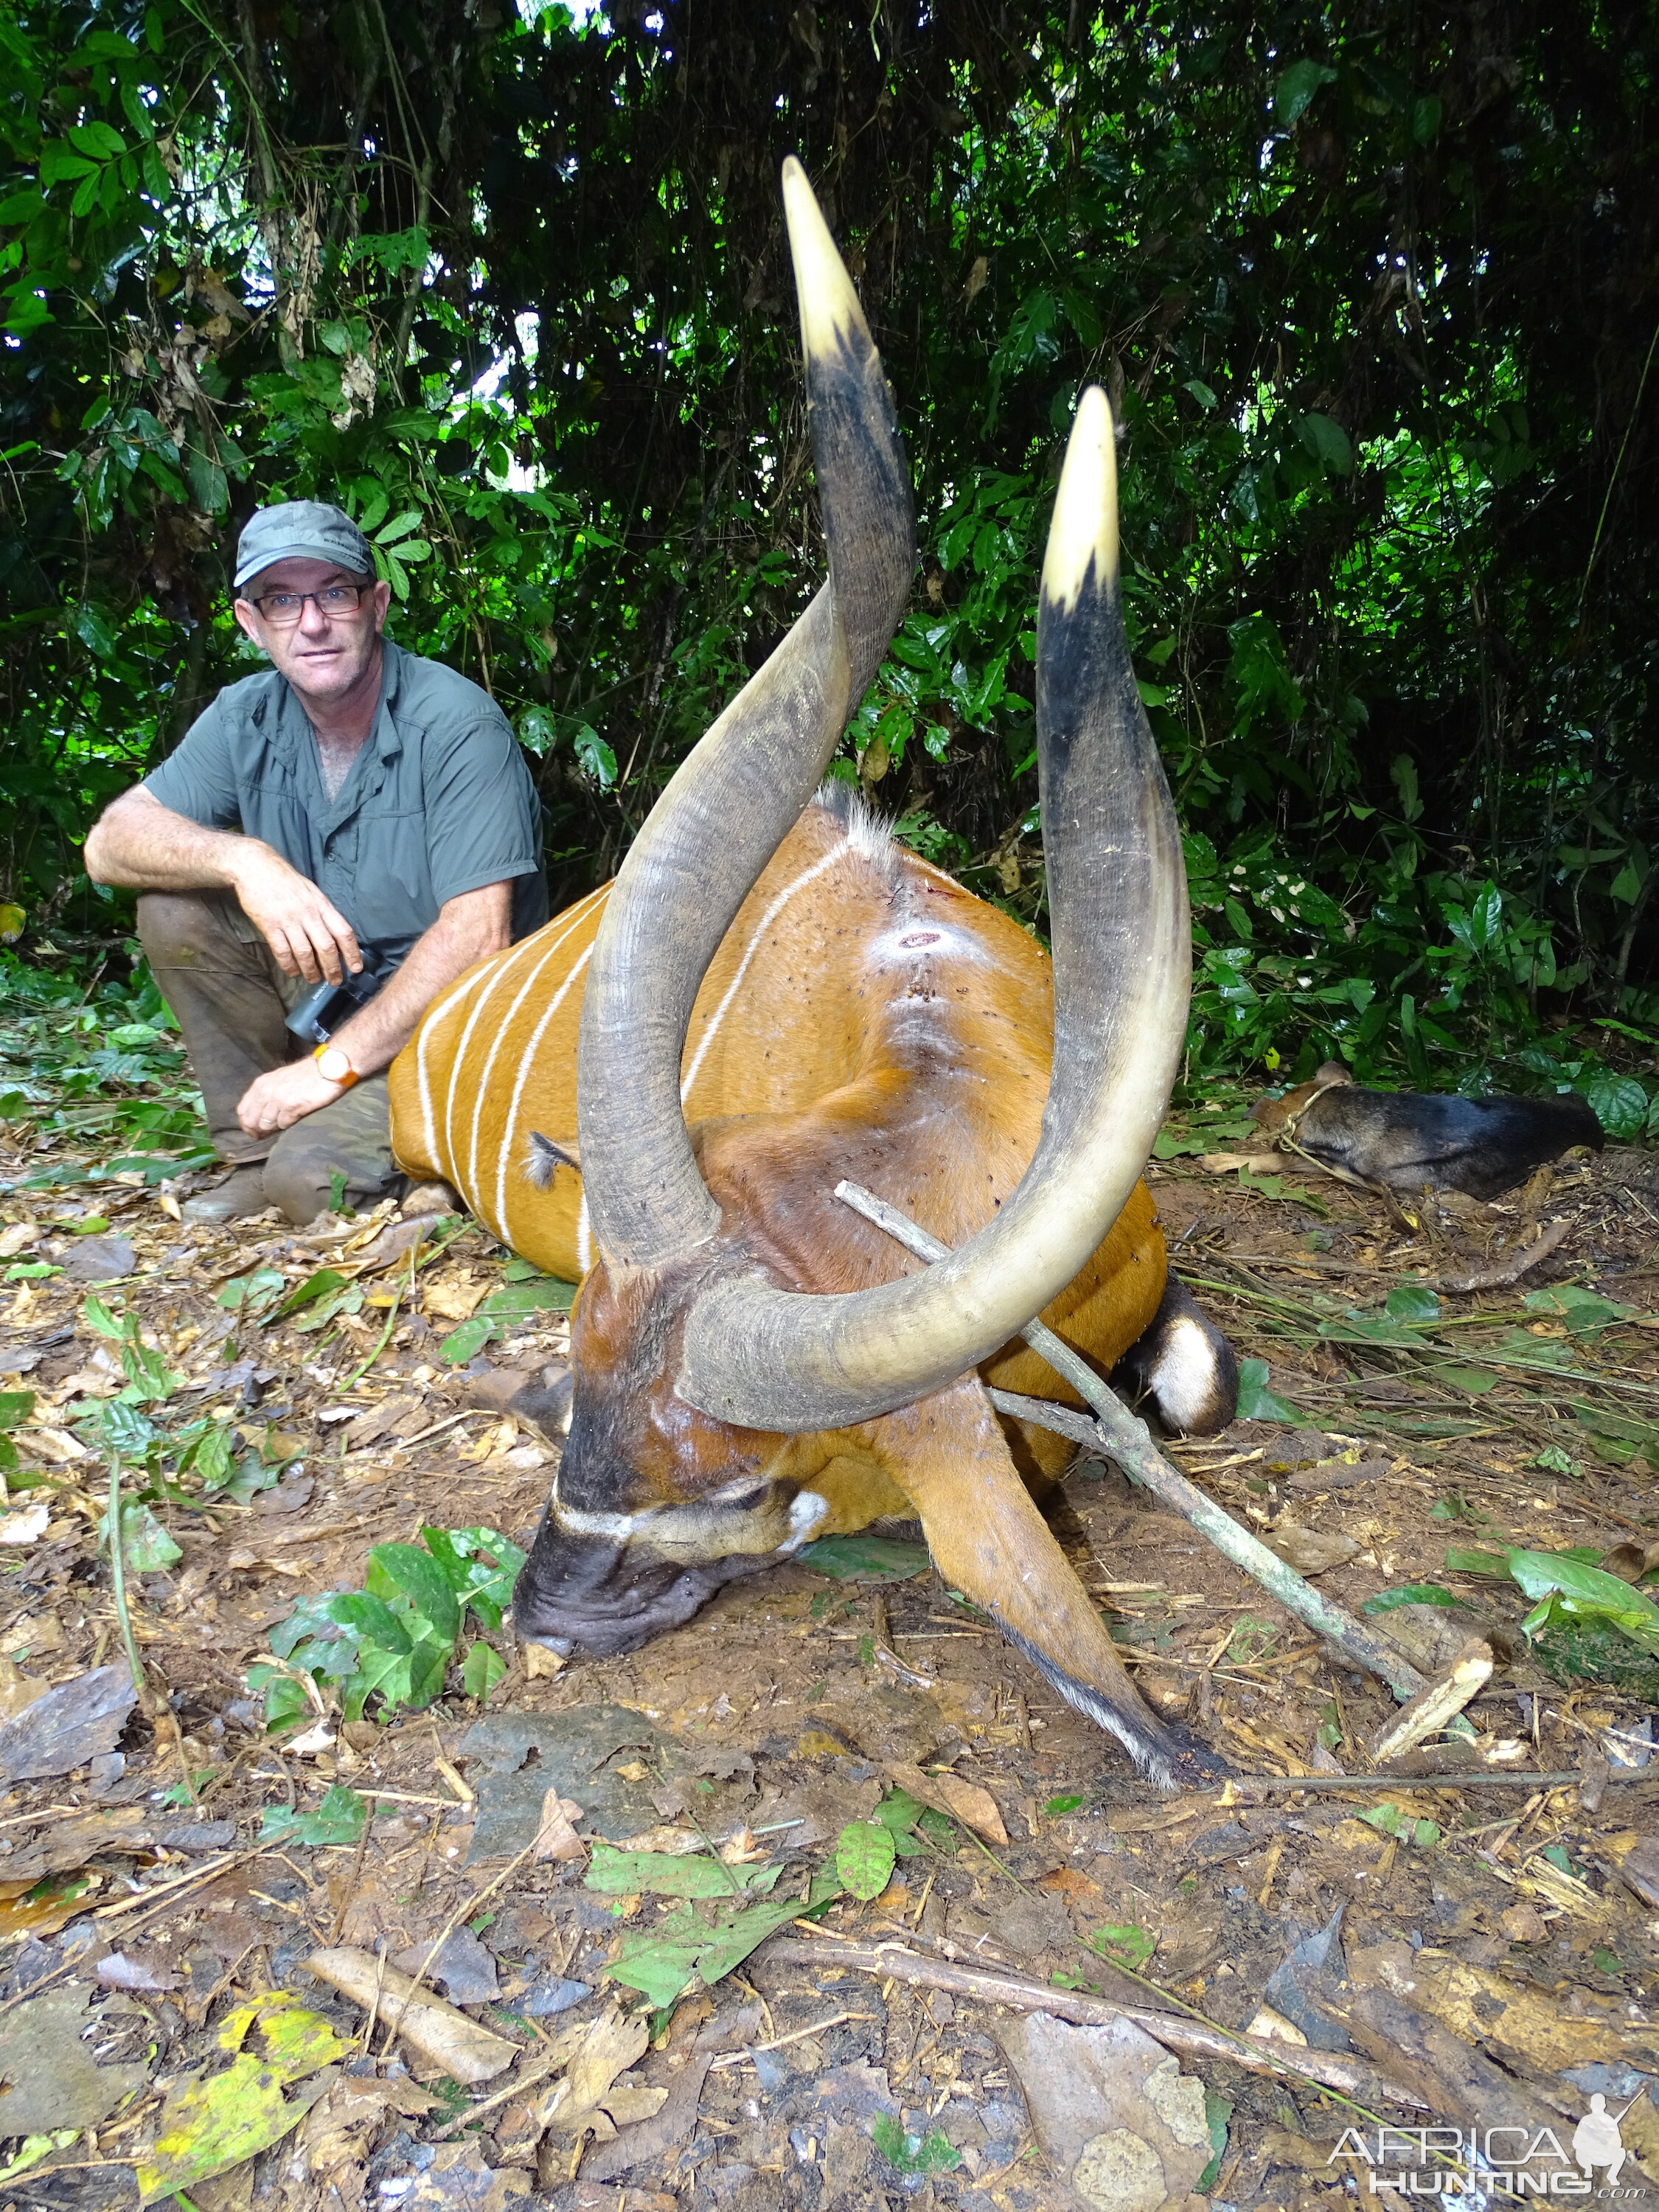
point(1057, 1806)
point(465, 1342)
point(1424, 1834)
point(16, 1406)
point(419, 1578)
point(1462, 1561)
point(318, 1286)
point(1125, 1942)
point(1295, 88)
point(146, 1546)
point(1620, 1105)
point(615, 1873)
point(340, 1819)
point(865, 1558)
point(864, 1858)
point(1412, 1302)
point(933, 2153)
point(681, 1949)
point(483, 1667)
point(97, 139)
point(516, 1301)
point(1328, 441)
point(370, 1617)
point(248, 1293)
point(596, 757)
point(1411, 1594)
point(210, 2126)
point(1475, 1382)
point(1256, 1403)
point(61, 164)
point(1218, 2111)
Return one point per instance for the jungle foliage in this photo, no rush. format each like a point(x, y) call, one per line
point(1374, 291)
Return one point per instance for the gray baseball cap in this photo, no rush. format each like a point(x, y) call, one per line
point(302, 529)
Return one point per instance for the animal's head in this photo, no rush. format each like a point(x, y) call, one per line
point(656, 1503)
point(698, 1356)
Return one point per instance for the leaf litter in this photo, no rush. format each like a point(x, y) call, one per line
point(336, 1805)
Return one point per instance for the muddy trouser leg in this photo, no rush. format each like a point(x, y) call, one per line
point(352, 1140)
point(229, 998)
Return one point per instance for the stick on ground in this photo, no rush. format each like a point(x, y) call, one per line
point(1350, 2077)
point(1115, 1431)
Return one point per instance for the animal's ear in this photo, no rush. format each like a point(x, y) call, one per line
point(544, 1155)
point(1330, 1072)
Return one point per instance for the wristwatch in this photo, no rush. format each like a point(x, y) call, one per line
point(333, 1066)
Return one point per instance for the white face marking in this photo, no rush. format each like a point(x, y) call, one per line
point(805, 1515)
point(901, 945)
point(1184, 1381)
point(807, 875)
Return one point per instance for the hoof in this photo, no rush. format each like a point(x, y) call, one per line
point(1193, 1765)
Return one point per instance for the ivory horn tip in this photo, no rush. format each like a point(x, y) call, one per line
point(1083, 530)
point(830, 309)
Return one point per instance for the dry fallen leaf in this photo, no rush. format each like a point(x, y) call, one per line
point(671, 1843)
point(947, 1793)
point(26, 1525)
point(556, 1836)
point(588, 2102)
point(1310, 1550)
point(453, 1298)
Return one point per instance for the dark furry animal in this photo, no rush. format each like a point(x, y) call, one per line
point(1410, 1139)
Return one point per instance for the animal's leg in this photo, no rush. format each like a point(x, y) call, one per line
point(989, 1541)
point(1184, 1364)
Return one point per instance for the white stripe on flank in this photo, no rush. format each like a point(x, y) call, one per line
point(524, 1065)
point(428, 1030)
point(483, 1086)
point(837, 852)
point(584, 1236)
point(458, 1063)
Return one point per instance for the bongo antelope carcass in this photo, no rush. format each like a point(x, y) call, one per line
point(659, 1092)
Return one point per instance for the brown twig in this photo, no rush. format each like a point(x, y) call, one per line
point(1347, 2077)
point(1115, 1432)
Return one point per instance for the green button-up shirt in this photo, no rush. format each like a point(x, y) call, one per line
point(438, 802)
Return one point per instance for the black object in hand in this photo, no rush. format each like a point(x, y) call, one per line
point(317, 1013)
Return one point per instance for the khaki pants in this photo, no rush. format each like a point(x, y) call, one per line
point(228, 996)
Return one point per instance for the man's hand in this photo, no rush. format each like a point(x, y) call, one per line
point(143, 846)
point(285, 1096)
point(307, 933)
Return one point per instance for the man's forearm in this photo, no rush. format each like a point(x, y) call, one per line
point(139, 845)
point(469, 928)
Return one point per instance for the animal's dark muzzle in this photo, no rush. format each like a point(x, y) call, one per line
point(597, 1596)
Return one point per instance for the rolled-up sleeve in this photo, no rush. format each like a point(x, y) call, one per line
point(483, 823)
point(197, 779)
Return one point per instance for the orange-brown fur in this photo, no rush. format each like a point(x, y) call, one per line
point(803, 1066)
point(920, 1072)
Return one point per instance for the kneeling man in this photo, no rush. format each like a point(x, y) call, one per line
point(359, 817)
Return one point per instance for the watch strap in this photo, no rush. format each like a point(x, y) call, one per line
point(327, 1051)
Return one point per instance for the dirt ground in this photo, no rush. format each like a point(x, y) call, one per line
point(1497, 1943)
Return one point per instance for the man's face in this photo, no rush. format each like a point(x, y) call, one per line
point(322, 655)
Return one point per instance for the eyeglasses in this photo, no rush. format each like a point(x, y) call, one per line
point(281, 610)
